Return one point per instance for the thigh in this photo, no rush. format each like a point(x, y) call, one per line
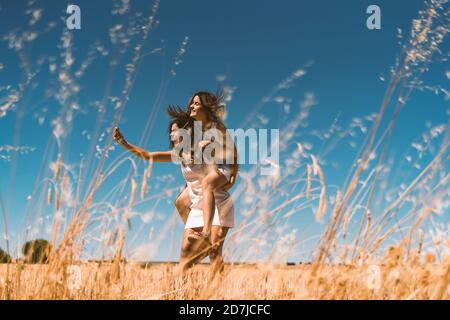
point(214, 180)
point(182, 203)
point(183, 199)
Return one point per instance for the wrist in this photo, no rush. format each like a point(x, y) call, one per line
point(124, 143)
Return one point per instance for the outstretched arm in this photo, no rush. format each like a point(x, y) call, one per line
point(160, 156)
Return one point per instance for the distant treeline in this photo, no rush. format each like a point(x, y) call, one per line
point(39, 250)
point(34, 251)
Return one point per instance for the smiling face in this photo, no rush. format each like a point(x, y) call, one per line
point(196, 109)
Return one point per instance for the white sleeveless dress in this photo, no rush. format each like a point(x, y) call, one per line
point(224, 208)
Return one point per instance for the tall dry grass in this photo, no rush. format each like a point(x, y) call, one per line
point(394, 279)
point(348, 263)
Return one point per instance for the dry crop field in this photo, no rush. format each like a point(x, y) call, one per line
point(380, 232)
point(392, 279)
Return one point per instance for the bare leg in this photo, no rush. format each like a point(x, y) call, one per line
point(182, 203)
point(211, 182)
point(191, 253)
point(218, 235)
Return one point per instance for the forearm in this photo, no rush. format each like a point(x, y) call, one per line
point(138, 151)
point(160, 156)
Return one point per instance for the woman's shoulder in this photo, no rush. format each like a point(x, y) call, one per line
point(218, 125)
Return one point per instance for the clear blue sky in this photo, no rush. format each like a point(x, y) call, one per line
point(254, 44)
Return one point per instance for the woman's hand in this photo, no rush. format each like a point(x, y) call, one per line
point(161, 156)
point(118, 137)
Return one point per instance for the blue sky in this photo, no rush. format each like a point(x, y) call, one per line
point(253, 45)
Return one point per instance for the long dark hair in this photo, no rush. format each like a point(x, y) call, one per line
point(181, 118)
point(213, 104)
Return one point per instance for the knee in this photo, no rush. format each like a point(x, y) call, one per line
point(219, 237)
point(216, 250)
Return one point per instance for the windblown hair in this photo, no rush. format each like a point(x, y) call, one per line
point(214, 107)
point(213, 104)
point(181, 118)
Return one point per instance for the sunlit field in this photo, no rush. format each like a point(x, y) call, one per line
point(397, 280)
point(381, 232)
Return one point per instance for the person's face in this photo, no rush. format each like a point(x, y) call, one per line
point(196, 109)
point(174, 134)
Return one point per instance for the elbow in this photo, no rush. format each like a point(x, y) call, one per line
point(179, 204)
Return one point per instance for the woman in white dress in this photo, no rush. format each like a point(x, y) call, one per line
point(207, 109)
point(190, 202)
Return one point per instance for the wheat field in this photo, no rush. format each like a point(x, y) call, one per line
point(379, 238)
point(397, 280)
